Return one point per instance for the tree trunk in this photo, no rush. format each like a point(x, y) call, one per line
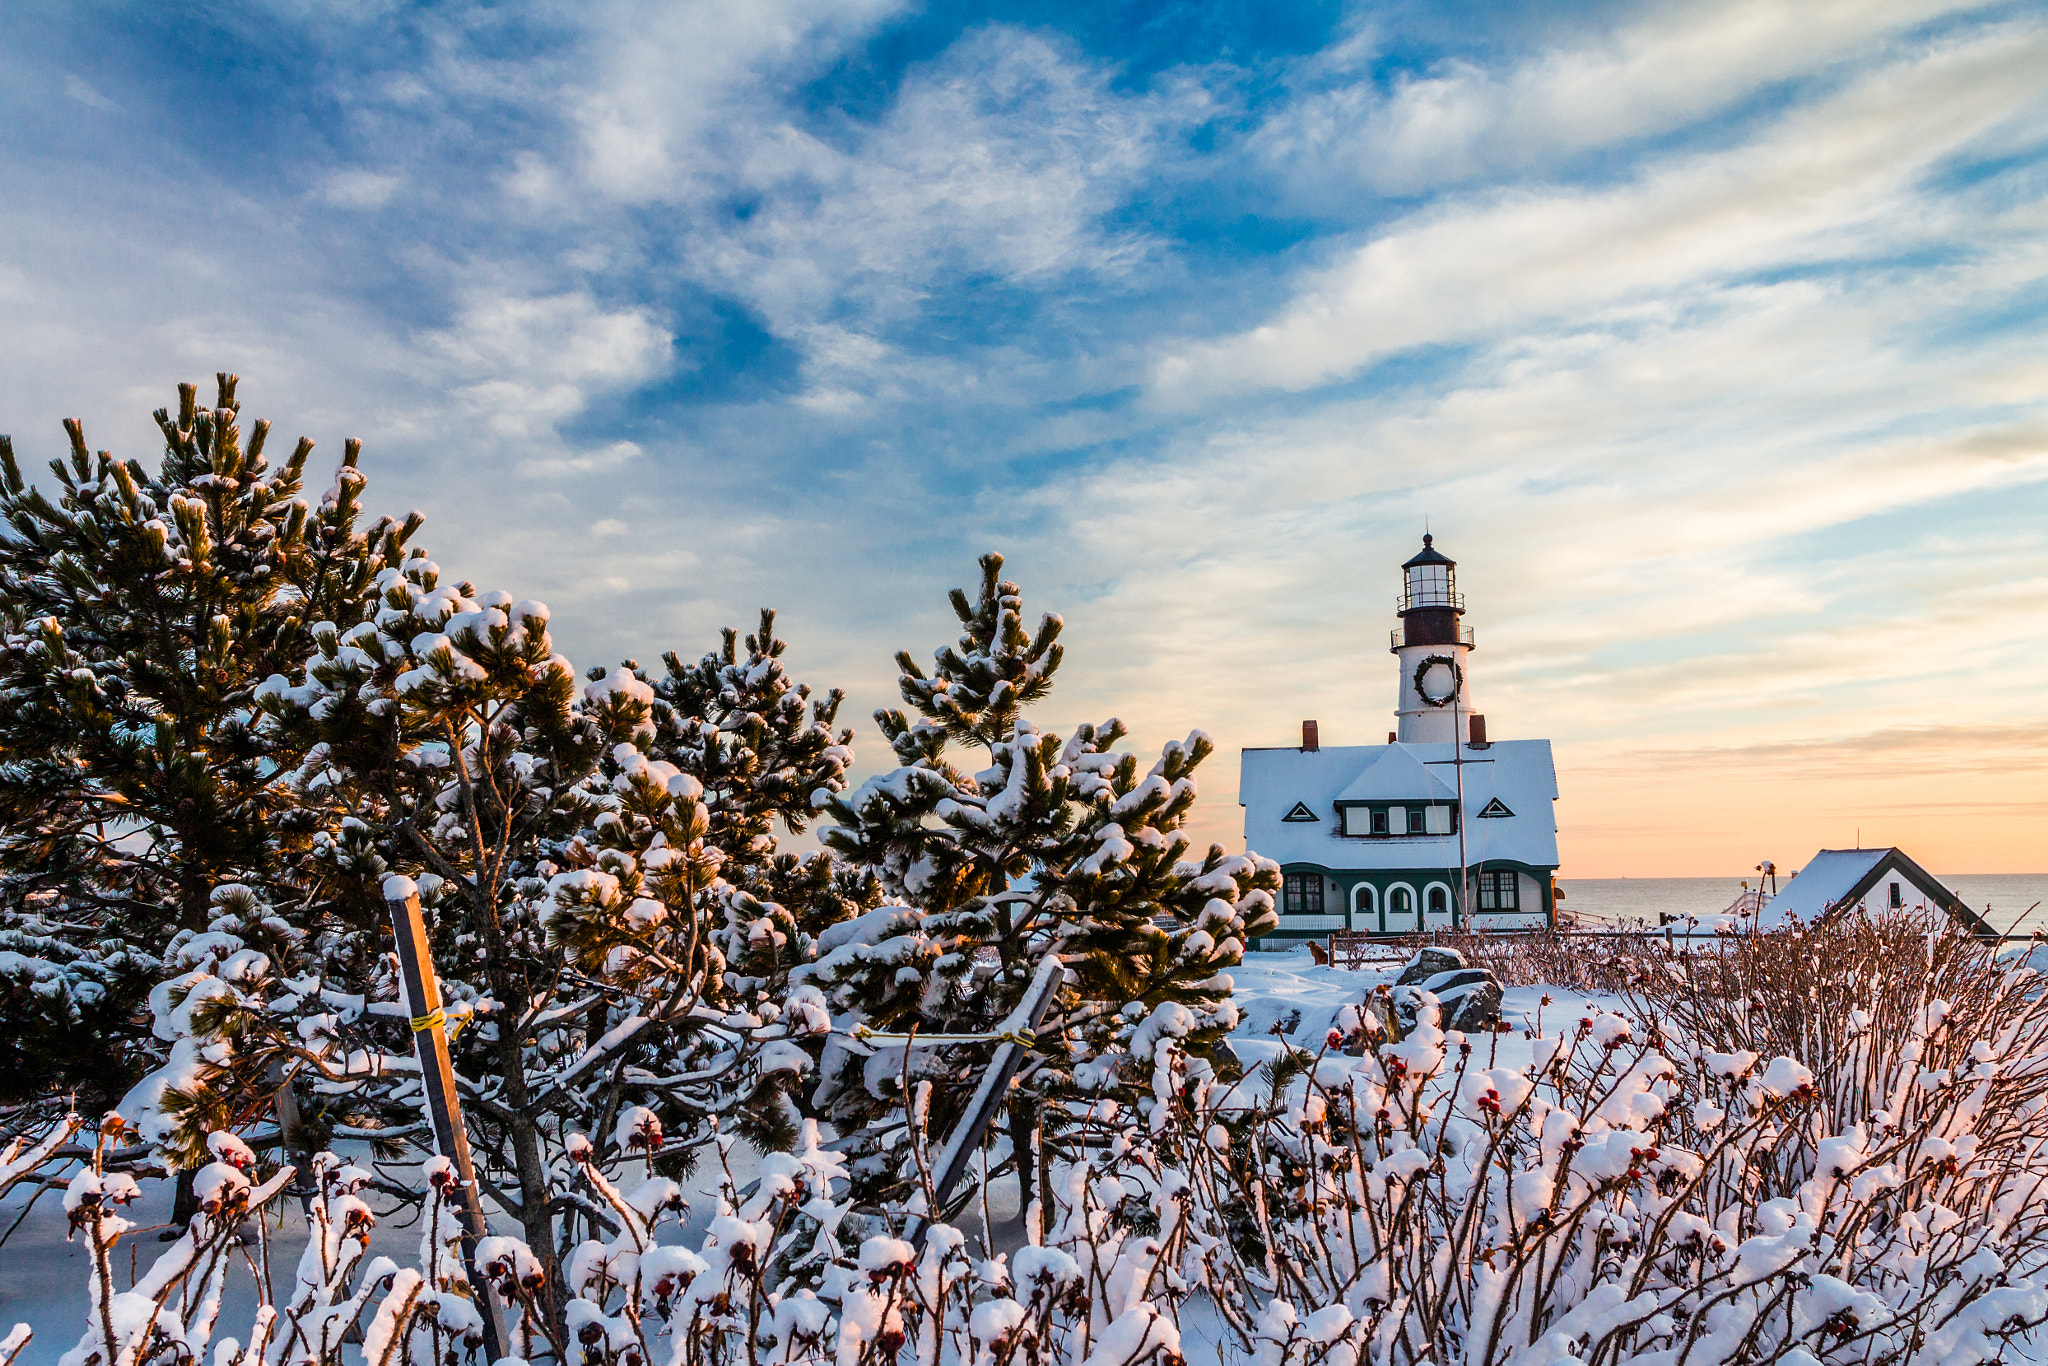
point(528, 1161)
point(184, 1204)
point(531, 1167)
point(1023, 1124)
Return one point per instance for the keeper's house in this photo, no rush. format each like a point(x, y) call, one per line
point(1371, 838)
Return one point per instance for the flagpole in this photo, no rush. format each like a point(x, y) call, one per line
point(1458, 767)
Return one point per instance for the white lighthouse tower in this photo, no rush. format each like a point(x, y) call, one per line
point(1435, 687)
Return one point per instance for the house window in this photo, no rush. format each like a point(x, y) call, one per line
point(1898, 896)
point(1416, 820)
point(1397, 820)
point(1302, 894)
point(1379, 822)
point(1356, 822)
point(1439, 901)
point(1499, 892)
point(1438, 821)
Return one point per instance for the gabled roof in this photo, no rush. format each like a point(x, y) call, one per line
point(1397, 775)
point(1518, 772)
point(1836, 881)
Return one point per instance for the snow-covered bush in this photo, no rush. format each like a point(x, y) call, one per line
point(1604, 963)
point(425, 1315)
point(572, 847)
point(1603, 1190)
point(1859, 999)
point(769, 1281)
point(776, 1279)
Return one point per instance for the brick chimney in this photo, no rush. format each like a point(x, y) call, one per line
point(1478, 731)
point(1310, 741)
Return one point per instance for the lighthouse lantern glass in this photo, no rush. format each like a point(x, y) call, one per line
point(1431, 585)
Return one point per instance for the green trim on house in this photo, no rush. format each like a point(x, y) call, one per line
point(1341, 902)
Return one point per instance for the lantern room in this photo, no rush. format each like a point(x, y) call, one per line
point(1430, 603)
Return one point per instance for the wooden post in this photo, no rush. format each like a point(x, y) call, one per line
point(437, 1078)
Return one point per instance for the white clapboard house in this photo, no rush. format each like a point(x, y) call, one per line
point(1373, 838)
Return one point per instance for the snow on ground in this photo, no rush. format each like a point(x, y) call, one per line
point(1287, 995)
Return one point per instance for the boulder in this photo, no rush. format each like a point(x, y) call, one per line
point(1468, 999)
point(1429, 963)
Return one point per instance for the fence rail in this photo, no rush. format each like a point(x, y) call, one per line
point(1355, 943)
point(1354, 949)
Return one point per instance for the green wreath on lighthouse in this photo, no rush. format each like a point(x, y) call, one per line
point(1422, 671)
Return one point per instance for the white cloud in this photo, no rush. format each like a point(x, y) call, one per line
point(77, 89)
point(534, 181)
point(681, 89)
point(1667, 67)
point(563, 464)
point(525, 363)
point(998, 160)
point(1826, 183)
point(356, 188)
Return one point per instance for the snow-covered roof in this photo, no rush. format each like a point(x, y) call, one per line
point(1842, 879)
point(1394, 775)
point(1827, 877)
point(1516, 773)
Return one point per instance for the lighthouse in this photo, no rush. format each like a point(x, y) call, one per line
point(1439, 827)
point(1433, 644)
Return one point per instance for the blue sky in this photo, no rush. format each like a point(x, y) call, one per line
point(1706, 337)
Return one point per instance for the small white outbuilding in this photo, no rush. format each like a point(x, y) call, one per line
point(1835, 882)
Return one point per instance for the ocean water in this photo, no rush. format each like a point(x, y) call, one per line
point(2003, 897)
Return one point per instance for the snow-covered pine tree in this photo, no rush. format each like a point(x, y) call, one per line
point(767, 754)
point(573, 878)
point(140, 612)
point(1058, 846)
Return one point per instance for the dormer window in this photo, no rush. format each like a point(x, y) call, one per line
point(1374, 820)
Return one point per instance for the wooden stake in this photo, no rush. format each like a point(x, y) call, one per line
point(437, 1077)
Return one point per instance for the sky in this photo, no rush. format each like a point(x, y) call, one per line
point(1706, 338)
